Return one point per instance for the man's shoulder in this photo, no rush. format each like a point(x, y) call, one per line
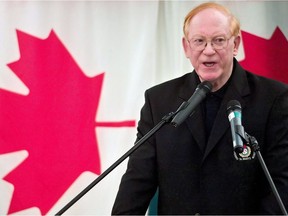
point(266, 83)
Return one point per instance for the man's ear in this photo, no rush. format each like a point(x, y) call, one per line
point(186, 47)
point(237, 41)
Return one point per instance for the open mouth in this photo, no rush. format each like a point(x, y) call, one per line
point(209, 64)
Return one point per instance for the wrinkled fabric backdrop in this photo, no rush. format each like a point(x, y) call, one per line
point(72, 79)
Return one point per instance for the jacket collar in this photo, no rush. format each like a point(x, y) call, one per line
point(237, 89)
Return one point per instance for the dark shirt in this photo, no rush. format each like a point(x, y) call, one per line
point(211, 106)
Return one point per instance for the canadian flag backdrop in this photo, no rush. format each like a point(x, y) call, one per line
point(72, 79)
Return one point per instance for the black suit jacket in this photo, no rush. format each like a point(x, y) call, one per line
point(199, 174)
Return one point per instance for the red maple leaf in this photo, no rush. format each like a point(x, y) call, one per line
point(266, 57)
point(55, 123)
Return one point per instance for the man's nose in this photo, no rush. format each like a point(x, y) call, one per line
point(209, 49)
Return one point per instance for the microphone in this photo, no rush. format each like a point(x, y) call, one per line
point(188, 107)
point(237, 130)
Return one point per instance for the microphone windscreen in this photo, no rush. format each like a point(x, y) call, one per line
point(233, 105)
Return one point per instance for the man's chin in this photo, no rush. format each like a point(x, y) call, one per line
point(209, 77)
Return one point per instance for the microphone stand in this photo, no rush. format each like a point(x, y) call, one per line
point(166, 119)
point(185, 108)
point(255, 147)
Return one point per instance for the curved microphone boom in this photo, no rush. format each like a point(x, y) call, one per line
point(188, 107)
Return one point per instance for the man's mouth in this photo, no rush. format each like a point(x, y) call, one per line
point(209, 64)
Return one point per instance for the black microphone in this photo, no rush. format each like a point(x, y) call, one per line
point(188, 107)
point(237, 130)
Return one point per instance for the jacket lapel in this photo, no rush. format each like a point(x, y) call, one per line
point(195, 122)
point(237, 90)
point(221, 124)
point(196, 126)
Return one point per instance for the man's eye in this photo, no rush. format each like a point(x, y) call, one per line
point(219, 40)
point(198, 41)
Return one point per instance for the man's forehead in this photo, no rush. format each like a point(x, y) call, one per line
point(210, 14)
point(210, 21)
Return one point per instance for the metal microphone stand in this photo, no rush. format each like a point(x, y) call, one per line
point(255, 147)
point(166, 119)
point(183, 111)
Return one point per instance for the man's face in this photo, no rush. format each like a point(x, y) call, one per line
point(211, 64)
